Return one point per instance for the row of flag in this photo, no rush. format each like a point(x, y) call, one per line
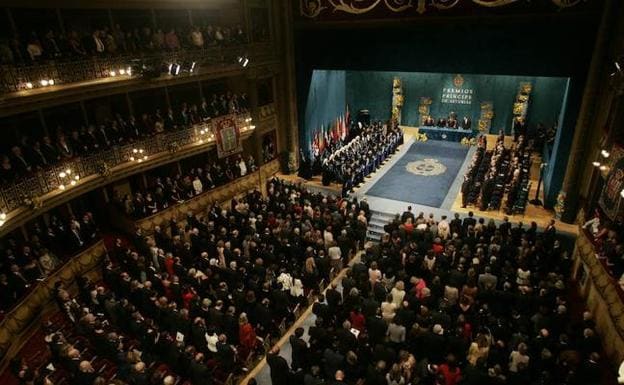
point(338, 130)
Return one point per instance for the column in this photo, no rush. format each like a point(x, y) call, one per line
point(256, 138)
point(587, 113)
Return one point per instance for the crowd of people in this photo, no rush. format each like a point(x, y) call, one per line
point(449, 302)
point(23, 264)
point(47, 44)
point(193, 302)
point(608, 239)
point(498, 176)
point(164, 191)
point(35, 154)
point(350, 161)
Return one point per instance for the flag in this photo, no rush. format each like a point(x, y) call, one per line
point(347, 121)
point(322, 139)
point(336, 130)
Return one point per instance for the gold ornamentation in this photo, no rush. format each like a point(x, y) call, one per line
point(350, 6)
point(494, 3)
point(398, 5)
point(311, 8)
point(426, 167)
point(458, 81)
point(444, 4)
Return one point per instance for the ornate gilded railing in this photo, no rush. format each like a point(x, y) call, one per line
point(603, 296)
point(71, 70)
point(18, 320)
point(28, 191)
point(200, 203)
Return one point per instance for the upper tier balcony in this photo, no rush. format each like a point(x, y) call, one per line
point(28, 197)
point(23, 85)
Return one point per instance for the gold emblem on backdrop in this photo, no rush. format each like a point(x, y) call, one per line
point(458, 81)
point(313, 8)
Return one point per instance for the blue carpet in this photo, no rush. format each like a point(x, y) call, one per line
point(434, 166)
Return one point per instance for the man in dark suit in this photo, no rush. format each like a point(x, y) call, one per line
point(466, 123)
point(407, 214)
point(456, 225)
point(469, 221)
point(278, 366)
point(299, 350)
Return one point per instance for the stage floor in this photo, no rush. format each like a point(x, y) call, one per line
point(391, 202)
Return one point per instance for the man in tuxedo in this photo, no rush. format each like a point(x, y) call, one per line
point(19, 161)
point(466, 123)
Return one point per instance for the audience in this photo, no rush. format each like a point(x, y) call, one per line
point(485, 305)
point(46, 44)
point(50, 244)
point(170, 190)
point(36, 154)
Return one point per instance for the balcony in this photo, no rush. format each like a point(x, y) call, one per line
point(28, 197)
point(32, 82)
point(602, 293)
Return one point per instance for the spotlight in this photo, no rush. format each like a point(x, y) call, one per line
point(605, 153)
point(43, 82)
point(29, 85)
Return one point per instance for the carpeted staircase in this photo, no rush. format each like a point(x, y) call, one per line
point(376, 225)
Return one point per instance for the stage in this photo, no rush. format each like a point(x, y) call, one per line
point(428, 176)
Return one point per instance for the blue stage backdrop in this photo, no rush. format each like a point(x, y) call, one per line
point(372, 90)
point(325, 102)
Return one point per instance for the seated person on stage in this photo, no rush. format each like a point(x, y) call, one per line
point(441, 122)
point(429, 122)
point(451, 123)
point(465, 123)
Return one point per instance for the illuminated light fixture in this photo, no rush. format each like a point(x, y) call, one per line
point(129, 71)
point(2, 218)
point(122, 71)
point(51, 82)
point(29, 85)
point(248, 120)
point(603, 168)
point(113, 73)
point(596, 164)
point(62, 187)
point(622, 193)
point(243, 61)
point(67, 179)
point(62, 174)
point(176, 69)
point(618, 68)
point(44, 82)
point(138, 154)
point(73, 182)
point(605, 153)
point(193, 67)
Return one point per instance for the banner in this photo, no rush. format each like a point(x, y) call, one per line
point(610, 199)
point(227, 135)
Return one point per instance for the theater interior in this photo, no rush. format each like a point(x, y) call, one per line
point(315, 192)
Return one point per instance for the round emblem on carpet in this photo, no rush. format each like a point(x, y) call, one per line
point(426, 167)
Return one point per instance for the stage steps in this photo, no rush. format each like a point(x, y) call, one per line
point(376, 224)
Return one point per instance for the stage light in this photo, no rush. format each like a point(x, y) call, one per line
point(44, 82)
point(29, 85)
point(605, 153)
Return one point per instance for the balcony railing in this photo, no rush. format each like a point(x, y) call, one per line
point(15, 78)
point(603, 295)
point(27, 191)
